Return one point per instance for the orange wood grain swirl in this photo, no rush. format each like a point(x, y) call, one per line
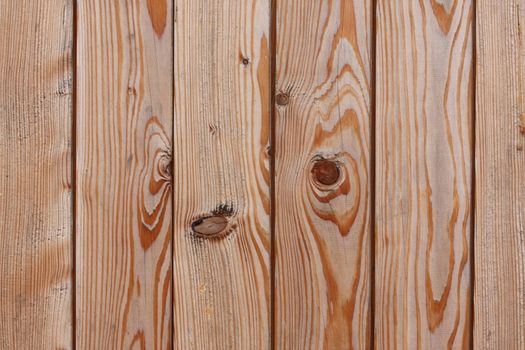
point(123, 202)
point(322, 233)
point(424, 133)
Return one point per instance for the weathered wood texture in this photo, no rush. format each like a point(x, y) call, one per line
point(221, 174)
point(322, 175)
point(123, 191)
point(499, 300)
point(35, 174)
point(423, 209)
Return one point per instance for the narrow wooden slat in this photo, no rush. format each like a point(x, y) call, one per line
point(123, 198)
point(221, 174)
point(322, 184)
point(499, 300)
point(423, 165)
point(35, 174)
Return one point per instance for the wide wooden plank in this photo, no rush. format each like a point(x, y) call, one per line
point(123, 191)
point(35, 174)
point(221, 174)
point(499, 300)
point(423, 165)
point(322, 174)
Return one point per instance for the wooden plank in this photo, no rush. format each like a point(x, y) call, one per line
point(221, 171)
point(423, 165)
point(499, 300)
point(35, 174)
point(123, 201)
point(323, 183)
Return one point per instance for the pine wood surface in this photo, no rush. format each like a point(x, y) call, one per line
point(499, 300)
point(36, 71)
point(262, 174)
point(424, 111)
point(123, 173)
point(221, 233)
point(322, 176)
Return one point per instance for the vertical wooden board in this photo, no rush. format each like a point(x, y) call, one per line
point(123, 200)
point(423, 165)
point(322, 183)
point(221, 174)
point(35, 174)
point(499, 300)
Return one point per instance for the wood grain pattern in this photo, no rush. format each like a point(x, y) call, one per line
point(123, 198)
point(499, 300)
point(322, 183)
point(35, 174)
point(221, 170)
point(423, 189)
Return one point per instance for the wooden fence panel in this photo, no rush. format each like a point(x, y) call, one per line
point(35, 174)
point(262, 174)
point(424, 147)
point(322, 174)
point(499, 300)
point(221, 231)
point(123, 192)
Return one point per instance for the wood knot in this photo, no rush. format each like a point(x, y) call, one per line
point(165, 165)
point(268, 151)
point(282, 99)
point(210, 226)
point(245, 61)
point(216, 224)
point(325, 173)
point(213, 128)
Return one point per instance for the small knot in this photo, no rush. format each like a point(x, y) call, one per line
point(268, 150)
point(282, 99)
point(212, 128)
point(165, 165)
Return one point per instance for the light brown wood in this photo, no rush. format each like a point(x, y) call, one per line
point(35, 174)
point(374, 105)
point(221, 169)
point(499, 300)
point(423, 209)
point(322, 180)
point(123, 192)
